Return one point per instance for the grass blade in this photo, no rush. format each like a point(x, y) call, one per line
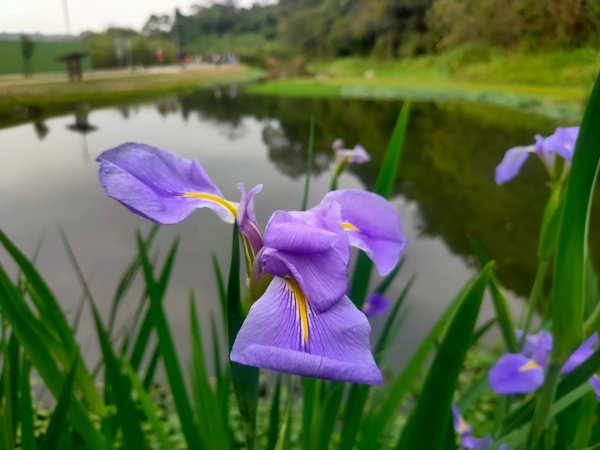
point(274, 416)
point(385, 411)
point(58, 418)
point(167, 348)
point(149, 409)
point(309, 163)
point(569, 273)
point(28, 441)
point(214, 435)
point(432, 411)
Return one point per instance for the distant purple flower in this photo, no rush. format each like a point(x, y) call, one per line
point(520, 373)
point(304, 324)
point(376, 305)
point(464, 430)
point(357, 155)
point(515, 373)
point(372, 224)
point(595, 382)
point(561, 143)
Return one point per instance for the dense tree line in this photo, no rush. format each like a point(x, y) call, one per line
point(388, 28)
point(331, 28)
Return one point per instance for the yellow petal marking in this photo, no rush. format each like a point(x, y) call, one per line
point(463, 426)
point(530, 365)
point(302, 304)
point(230, 207)
point(349, 227)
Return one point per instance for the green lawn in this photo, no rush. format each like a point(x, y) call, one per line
point(44, 58)
point(554, 84)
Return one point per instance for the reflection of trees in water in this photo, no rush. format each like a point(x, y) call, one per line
point(447, 166)
point(290, 155)
point(41, 129)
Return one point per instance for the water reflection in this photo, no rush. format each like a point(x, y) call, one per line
point(447, 167)
point(41, 129)
point(445, 190)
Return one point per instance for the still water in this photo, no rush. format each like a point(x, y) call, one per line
point(445, 192)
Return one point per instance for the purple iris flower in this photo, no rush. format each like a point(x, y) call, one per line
point(561, 143)
point(520, 373)
point(515, 373)
point(357, 155)
point(372, 224)
point(375, 305)
point(304, 324)
point(464, 431)
point(166, 188)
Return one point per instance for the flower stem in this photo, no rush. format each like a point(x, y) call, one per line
point(542, 408)
point(534, 296)
point(339, 168)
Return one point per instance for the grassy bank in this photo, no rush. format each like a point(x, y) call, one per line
point(46, 96)
point(551, 84)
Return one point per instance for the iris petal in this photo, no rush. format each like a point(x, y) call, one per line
point(246, 216)
point(338, 345)
point(372, 224)
point(515, 374)
point(581, 354)
point(158, 184)
point(511, 164)
point(322, 276)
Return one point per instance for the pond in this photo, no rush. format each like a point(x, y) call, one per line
point(445, 192)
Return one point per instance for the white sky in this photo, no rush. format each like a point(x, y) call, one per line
point(47, 16)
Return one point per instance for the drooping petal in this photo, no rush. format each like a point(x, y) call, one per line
point(359, 155)
point(595, 382)
point(515, 374)
point(283, 332)
point(561, 142)
point(338, 144)
point(511, 164)
point(246, 217)
point(323, 276)
point(160, 185)
point(460, 425)
point(376, 305)
point(581, 354)
point(372, 224)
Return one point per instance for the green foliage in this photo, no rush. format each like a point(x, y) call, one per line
point(136, 49)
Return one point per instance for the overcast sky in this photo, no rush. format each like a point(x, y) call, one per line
point(47, 16)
